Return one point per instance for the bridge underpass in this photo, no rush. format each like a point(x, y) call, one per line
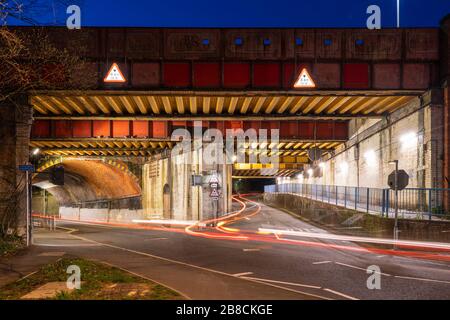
point(83, 130)
point(380, 95)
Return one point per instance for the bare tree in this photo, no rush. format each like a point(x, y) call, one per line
point(30, 60)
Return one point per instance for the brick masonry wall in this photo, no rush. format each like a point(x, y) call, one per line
point(415, 139)
point(15, 126)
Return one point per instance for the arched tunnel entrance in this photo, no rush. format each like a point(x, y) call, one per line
point(93, 189)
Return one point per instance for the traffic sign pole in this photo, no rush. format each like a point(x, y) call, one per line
point(396, 202)
point(27, 184)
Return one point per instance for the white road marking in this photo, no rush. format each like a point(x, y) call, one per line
point(65, 245)
point(341, 294)
point(151, 239)
point(321, 262)
point(287, 289)
point(422, 279)
point(191, 265)
point(251, 249)
point(242, 274)
point(354, 267)
point(287, 283)
point(162, 221)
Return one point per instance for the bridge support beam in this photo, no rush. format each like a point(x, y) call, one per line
point(169, 191)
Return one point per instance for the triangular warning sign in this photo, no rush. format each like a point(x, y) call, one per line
point(214, 179)
point(304, 80)
point(214, 193)
point(114, 75)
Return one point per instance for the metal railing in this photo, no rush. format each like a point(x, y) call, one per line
point(132, 203)
point(413, 203)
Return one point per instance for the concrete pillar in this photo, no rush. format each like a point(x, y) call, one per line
point(15, 127)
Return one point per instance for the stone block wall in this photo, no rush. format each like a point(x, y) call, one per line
point(15, 126)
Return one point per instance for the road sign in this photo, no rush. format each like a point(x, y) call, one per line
point(214, 179)
point(196, 180)
point(26, 167)
point(114, 75)
point(214, 193)
point(304, 80)
point(402, 180)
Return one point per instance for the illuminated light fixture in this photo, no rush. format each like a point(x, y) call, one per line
point(304, 80)
point(408, 140)
point(371, 158)
point(310, 172)
point(114, 75)
point(298, 41)
point(234, 158)
point(344, 167)
point(321, 165)
point(35, 151)
point(205, 42)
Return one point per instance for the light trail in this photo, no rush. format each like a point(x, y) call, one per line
point(328, 236)
point(274, 236)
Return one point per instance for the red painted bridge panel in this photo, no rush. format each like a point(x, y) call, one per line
point(60, 129)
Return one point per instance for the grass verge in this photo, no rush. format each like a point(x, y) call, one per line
point(98, 282)
point(10, 245)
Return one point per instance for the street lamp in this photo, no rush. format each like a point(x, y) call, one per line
point(396, 198)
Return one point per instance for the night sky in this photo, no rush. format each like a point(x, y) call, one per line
point(243, 13)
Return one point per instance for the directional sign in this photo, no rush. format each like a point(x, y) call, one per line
point(114, 75)
point(304, 80)
point(402, 180)
point(26, 167)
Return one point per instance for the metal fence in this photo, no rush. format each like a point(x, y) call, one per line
point(132, 203)
point(413, 203)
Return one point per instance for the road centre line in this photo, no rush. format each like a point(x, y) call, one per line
point(242, 274)
point(321, 262)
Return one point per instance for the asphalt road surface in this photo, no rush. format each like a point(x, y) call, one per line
point(236, 261)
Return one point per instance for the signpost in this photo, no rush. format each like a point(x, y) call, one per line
point(214, 185)
point(28, 168)
point(397, 180)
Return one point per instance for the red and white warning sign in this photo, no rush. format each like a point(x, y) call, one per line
point(114, 75)
point(304, 80)
point(214, 179)
point(214, 193)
